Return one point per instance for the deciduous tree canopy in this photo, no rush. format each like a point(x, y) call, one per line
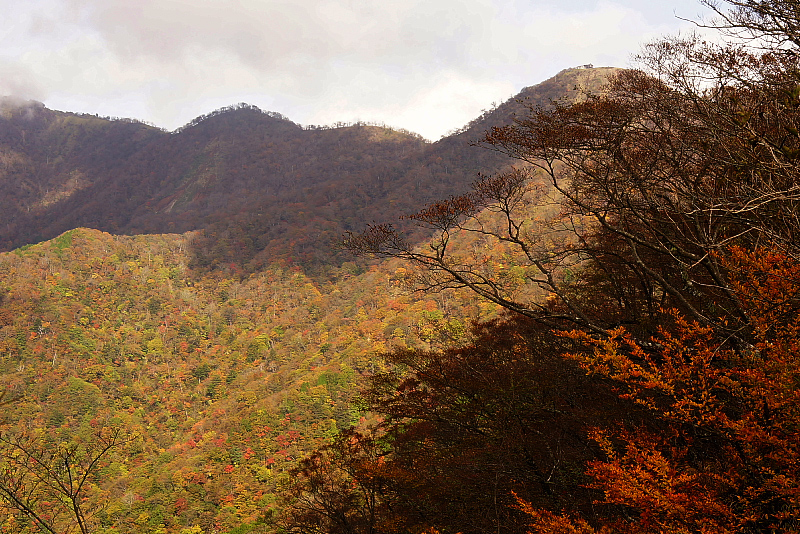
point(659, 221)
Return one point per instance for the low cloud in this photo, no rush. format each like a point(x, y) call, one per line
point(19, 82)
point(428, 66)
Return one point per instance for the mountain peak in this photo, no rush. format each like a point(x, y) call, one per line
point(237, 112)
point(568, 81)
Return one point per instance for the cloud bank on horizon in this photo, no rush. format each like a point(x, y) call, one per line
point(425, 65)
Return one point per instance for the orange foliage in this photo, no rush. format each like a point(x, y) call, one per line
point(725, 456)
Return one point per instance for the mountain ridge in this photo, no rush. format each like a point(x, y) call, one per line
point(258, 186)
point(208, 342)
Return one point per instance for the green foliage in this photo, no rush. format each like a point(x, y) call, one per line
point(225, 397)
point(61, 243)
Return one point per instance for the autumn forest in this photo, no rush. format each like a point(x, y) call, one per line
point(577, 314)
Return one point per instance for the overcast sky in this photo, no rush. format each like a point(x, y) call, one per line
point(425, 65)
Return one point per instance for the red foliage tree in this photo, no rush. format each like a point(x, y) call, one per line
point(727, 456)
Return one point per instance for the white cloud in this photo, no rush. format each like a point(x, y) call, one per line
point(425, 65)
point(16, 80)
point(449, 98)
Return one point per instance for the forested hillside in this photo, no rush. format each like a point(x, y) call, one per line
point(260, 187)
point(185, 374)
point(603, 337)
point(221, 384)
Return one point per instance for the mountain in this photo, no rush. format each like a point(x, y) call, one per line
point(221, 381)
point(224, 383)
point(259, 188)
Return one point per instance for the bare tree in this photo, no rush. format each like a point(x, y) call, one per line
point(654, 179)
point(47, 481)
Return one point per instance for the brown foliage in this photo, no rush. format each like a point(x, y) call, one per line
point(726, 458)
point(674, 253)
point(502, 415)
point(462, 431)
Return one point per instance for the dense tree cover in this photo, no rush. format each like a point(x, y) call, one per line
point(464, 432)
point(659, 218)
point(259, 187)
point(219, 383)
point(645, 380)
point(222, 379)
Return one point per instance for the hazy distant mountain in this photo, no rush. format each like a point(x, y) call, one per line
point(260, 187)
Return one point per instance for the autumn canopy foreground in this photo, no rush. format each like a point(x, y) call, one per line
point(644, 378)
point(672, 277)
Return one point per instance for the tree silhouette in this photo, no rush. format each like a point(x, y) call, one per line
point(48, 482)
point(659, 220)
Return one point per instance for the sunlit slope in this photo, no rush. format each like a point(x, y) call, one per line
point(224, 382)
